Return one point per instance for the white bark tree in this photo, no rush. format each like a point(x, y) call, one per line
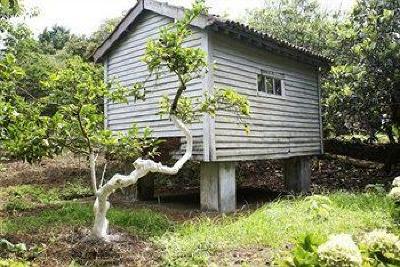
point(188, 64)
point(142, 168)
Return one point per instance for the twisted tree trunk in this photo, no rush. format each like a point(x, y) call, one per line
point(142, 168)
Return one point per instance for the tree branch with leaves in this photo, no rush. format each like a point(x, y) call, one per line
point(168, 52)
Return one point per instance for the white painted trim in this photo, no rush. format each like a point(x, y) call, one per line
point(174, 12)
point(206, 117)
point(320, 112)
point(105, 110)
point(211, 90)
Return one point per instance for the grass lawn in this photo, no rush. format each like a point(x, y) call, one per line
point(263, 234)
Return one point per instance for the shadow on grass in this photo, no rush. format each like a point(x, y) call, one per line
point(141, 222)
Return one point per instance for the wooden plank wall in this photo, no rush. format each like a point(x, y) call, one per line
point(280, 126)
point(124, 64)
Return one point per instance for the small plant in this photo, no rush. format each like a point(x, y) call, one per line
point(319, 206)
point(381, 248)
point(395, 195)
point(17, 203)
point(18, 252)
point(10, 247)
point(305, 253)
point(339, 250)
point(375, 189)
point(75, 190)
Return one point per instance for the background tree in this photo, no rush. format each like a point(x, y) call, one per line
point(85, 46)
point(301, 22)
point(76, 94)
point(9, 8)
point(364, 86)
point(24, 132)
point(54, 39)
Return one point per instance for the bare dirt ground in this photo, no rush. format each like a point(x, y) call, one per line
point(69, 244)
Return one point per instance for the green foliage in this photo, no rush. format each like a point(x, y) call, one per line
point(381, 248)
point(17, 248)
point(362, 93)
point(8, 10)
point(19, 253)
point(301, 22)
point(126, 147)
point(305, 253)
point(23, 130)
point(76, 92)
point(54, 39)
point(188, 63)
point(169, 51)
point(84, 46)
point(320, 206)
point(144, 222)
point(222, 100)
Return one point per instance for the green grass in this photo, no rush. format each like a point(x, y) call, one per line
point(275, 225)
point(26, 197)
point(143, 222)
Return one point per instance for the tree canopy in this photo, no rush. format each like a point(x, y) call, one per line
point(361, 91)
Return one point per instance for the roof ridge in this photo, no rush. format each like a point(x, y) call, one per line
point(215, 22)
point(219, 18)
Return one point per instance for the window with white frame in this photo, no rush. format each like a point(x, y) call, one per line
point(269, 84)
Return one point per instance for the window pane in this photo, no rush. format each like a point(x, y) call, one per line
point(269, 85)
point(261, 83)
point(278, 87)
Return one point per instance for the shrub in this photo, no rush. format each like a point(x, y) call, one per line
point(396, 182)
point(319, 206)
point(305, 252)
point(339, 250)
point(381, 247)
point(395, 194)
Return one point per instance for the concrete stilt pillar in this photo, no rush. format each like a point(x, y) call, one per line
point(218, 186)
point(297, 173)
point(145, 188)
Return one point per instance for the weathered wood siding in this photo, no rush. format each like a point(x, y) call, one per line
point(280, 126)
point(124, 63)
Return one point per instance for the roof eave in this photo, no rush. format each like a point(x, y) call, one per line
point(271, 44)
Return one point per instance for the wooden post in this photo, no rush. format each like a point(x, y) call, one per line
point(145, 188)
point(218, 186)
point(297, 173)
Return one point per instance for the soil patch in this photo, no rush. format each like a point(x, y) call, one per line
point(260, 256)
point(66, 245)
